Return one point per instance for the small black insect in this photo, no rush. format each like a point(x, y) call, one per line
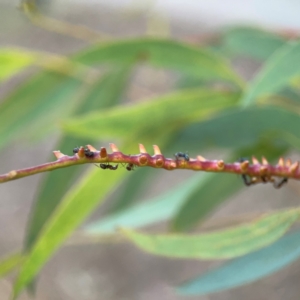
point(130, 167)
point(88, 152)
point(180, 155)
point(108, 166)
point(76, 150)
point(247, 179)
point(264, 179)
point(280, 183)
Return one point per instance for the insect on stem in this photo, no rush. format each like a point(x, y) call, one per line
point(180, 155)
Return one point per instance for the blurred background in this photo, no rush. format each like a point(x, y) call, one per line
point(121, 271)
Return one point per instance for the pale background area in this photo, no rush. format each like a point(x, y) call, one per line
point(111, 272)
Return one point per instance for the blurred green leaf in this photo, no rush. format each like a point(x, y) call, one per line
point(9, 263)
point(292, 95)
point(281, 68)
point(152, 116)
point(163, 53)
point(247, 268)
point(13, 61)
point(213, 190)
point(51, 191)
point(188, 82)
point(133, 187)
point(252, 42)
point(108, 90)
point(105, 92)
point(37, 105)
point(158, 209)
point(74, 208)
point(241, 128)
point(221, 244)
point(216, 188)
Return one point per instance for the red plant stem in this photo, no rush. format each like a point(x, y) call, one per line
point(282, 169)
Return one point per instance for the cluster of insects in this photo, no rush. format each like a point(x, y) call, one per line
point(129, 166)
point(107, 166)
point(181, 156)
point(248, 180)
point(87, 152)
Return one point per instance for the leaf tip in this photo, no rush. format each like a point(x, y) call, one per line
point(288, 163)
point(264, 161)
point(281, 162)
point(201, 158)
point(142, 149)
point(294, 167)
point(91, 148)
point(156, 150)
point(255, 161)
point(58, 154)
point(114, 148)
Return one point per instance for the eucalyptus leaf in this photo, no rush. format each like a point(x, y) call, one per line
point(10, 263)
point(165, 54)
point(105, 92)
point(278, 72)
point(77, 204)
point(242, 128)
point(252, 42)
point(171, 110)
point(158, 209)
point(37, 106)
point(221, 244)
point(246, 269)
point(13, 61)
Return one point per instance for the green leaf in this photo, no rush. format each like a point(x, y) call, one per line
point(278, 72)
point(40, 103)
point(221, 244)
point(290, 95)
point(74, 208)
point(133, 187)
point(246, 269)
point(104, 93)
point(171, 110)
point(213, 190)
point(37, 106)
point(107, 91)
point(162, 53)
point(9, 263)
point(252, 42)
point(242, 128)
point(189, 82)
point(13, 61)
point(51, 191)
point(158, 209)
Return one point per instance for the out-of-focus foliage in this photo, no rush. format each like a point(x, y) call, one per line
point(221, 244)
point(13, 61)
point(82, 97)
point(247, 268)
